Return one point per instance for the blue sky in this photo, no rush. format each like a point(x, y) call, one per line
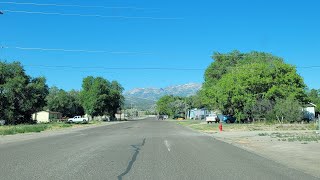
point(184, 36)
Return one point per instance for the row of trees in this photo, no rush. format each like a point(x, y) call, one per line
point(175, 105)
point(21, 96)
point(66, 102)
point(250, 86)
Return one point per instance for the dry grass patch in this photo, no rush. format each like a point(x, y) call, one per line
point(210, 128)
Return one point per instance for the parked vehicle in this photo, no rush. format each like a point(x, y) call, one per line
point(108, 118)
point(2, 122)
point(78, 119)
point(212, 118)
point(179, 116)
point(163, 117)
point(229, 119)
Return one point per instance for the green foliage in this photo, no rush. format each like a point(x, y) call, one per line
point(67, 103)
point(195, 101)
point(163, 105)
point(9, 130)
point(261, 109)
point(235, 83)
point(288, 110)
point(314, 97)
point(100, 97)
point(171, 105)
point(116, 98)
point(20, 95)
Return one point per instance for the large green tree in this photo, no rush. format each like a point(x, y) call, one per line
point(164, 105)
point(100, 97)
point(171, 105)
point(116, 98)
point(68, 103)
point(234, 82)
point(20, 95)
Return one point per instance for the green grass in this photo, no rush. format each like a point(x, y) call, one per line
point(187, 122)
point(28, 128)
point(18, 129)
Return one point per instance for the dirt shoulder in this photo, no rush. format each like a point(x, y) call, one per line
point(300, 155)
point(296, 146)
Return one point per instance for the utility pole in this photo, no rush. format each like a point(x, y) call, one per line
point(185, 108)
point(318, 124)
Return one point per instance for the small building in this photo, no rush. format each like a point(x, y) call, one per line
point(121, 116)
point(309, 111)
point(142, 113)
point(197, 113)
point(46, 116)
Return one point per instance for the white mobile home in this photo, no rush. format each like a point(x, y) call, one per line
point(46, 116)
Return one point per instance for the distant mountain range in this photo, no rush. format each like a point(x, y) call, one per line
point(146, 98)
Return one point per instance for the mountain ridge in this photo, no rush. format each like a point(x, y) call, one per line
point(145, 98)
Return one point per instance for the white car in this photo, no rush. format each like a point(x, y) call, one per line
point(212, 118)
point(78, 119)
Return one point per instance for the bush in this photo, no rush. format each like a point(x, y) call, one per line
point(288, 110)
point(9, 130)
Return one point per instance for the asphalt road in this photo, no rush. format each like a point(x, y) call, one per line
point(141, 149)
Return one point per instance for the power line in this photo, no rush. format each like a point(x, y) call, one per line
point(120, 68)
point(246, 55)
point(143, 68)
point(125, 52)
point(88, 15)
point(74, 50)
point(71, 5)
point(308, 67)
point(117, 52)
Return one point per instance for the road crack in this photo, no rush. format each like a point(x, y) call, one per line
point(137, 149)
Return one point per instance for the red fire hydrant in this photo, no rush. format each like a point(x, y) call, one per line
point(220, 126)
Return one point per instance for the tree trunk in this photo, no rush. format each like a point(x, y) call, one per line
point(278, 118)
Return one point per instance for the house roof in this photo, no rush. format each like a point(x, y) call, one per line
point(51, 112)
point(311, 104)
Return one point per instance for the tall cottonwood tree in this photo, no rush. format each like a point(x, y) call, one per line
point(20, 94)
point(67, 103)
point(100, 97)
point(235, 81)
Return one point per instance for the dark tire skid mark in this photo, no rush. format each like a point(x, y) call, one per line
point(137, 149)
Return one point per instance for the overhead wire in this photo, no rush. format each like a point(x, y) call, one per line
point(89, 15)
point(73, 50)
point(72, 5)
point(135, 68)
point(119, 68)
point(101, 51)
point(124, 52)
